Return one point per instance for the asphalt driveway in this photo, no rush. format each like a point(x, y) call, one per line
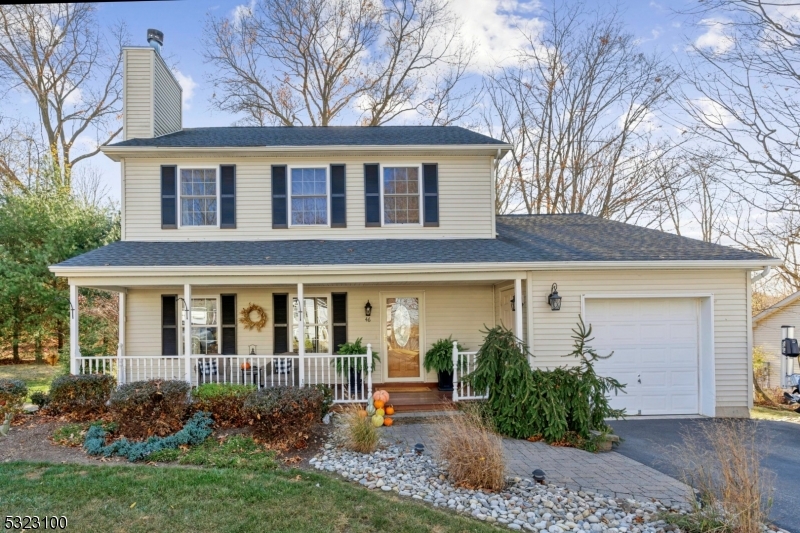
point(648, 442)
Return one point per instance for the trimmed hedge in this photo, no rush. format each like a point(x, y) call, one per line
point(150, 408)
point(12, 395)
point(81, 397)
point(284, 412)
point(225, 403)
point(196, 430)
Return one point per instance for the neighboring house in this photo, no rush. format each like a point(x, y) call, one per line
point(402, 218)
point(767, 335)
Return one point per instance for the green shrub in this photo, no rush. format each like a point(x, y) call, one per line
point(40, 399)
point(150, 408)
point(196, 430)
point(440, 356)
point(81, 397)
point(12, 396)
point(559, 405)
point(284, 412)
point(225, 403)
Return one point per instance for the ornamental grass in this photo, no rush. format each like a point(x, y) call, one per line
point(360, 435)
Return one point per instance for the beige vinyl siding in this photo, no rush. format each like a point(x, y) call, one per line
point(138, 94)
point(552, 329)
point(465, 205)
point(457, 310)
point(166, 99)
point(767, 335)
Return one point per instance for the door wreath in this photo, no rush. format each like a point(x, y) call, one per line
point(247, 319)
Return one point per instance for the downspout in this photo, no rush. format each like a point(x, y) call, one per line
point(764, 273)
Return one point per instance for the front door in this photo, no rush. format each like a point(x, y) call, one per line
point(506, 310)
point(402, 321)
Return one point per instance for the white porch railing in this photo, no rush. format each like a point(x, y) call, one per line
point(257, 370)
point(464, 364)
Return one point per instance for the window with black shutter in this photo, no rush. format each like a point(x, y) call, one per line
point(279, 198)
point(280, 306)
point(228, 324)
point(372, 195)
point(169, 197)
point(339, 319)
point(430, 188)
point(227, 196)
point(169, 324)
point(338, 197)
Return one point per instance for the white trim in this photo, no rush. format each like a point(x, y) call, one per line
point(706, 400)
point(179, 196)
point(384, 352)
point(749, 284)
point(292, 297)
point(327, 195)
point(382, 166)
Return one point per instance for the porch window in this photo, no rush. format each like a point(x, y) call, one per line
point(401, 195)
point(205, 322)
point(309, 196)
point(317, 338)
point(198, 197)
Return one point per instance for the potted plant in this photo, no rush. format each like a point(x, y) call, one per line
point(440, 358)
point(354, 368)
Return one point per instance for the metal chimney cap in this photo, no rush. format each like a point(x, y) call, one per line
point(155, 35)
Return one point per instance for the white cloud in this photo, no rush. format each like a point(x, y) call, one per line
point(712, 112)
point(188, 85)
point(715, 36)
point(494, 27)
point(242, 11)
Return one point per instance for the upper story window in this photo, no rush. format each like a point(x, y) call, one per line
point(198, 187)
point(401, 192)
point(309, 196)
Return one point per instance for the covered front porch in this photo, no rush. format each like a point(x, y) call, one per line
point(197, 330)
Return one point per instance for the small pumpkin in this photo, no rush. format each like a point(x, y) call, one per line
point(380, 412)
point(245, 366)
point(388, 421)
point(389, 410)
point(381, 395)
point(362, 413)
point(377, 421)
point(370, 410)
point(379, 404)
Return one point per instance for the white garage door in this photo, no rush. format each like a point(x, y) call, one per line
point(655, 345)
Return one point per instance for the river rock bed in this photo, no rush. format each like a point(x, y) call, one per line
point(522, 505)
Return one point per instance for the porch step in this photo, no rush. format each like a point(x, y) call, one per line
point(418, 400)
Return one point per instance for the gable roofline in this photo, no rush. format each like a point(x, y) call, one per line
point(116, 153)
point(771, 310)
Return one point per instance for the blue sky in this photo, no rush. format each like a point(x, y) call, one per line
point(490, 23)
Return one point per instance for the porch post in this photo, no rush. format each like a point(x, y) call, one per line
point(187, 333)
point(455, 371)
point(301, 333)
point(369, 371)
point(529, 311)
point(74, 344)
point(121, 343)
point(518, 308)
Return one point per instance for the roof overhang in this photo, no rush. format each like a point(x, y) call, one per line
point(117, 153)
point(769, 311)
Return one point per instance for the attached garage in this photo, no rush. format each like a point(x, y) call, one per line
point(658, 351)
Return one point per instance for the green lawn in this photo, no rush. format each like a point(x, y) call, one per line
point(36, 377)
point(144, 498)
point(765, 413)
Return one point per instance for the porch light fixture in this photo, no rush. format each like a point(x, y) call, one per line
point(252, 349)
point(368, 311)
point(554, 299)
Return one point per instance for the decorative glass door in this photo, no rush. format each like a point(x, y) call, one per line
point(402, 339)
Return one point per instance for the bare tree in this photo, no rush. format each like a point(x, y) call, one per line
point(58, 54)
point(577, 109)
point(309, 62)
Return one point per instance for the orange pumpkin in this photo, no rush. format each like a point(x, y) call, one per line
point(389, 410)
point(381, 395)
point(379, 404)
point(387, 421)
point(245, 366)
point(362, 413)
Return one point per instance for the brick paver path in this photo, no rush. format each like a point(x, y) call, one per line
point(610, 473)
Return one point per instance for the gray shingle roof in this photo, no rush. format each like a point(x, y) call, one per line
point(315, 136)
point(537, 238)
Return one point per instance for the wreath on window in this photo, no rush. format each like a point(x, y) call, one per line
point(247, 317)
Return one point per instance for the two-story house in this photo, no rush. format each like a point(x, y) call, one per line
point(328, 234)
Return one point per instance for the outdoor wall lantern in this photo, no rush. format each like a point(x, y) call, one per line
point(368, 311)
point(554, 299)
point(252, 349)
point(789, 346)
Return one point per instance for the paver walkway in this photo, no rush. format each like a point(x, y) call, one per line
point(610, 473)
